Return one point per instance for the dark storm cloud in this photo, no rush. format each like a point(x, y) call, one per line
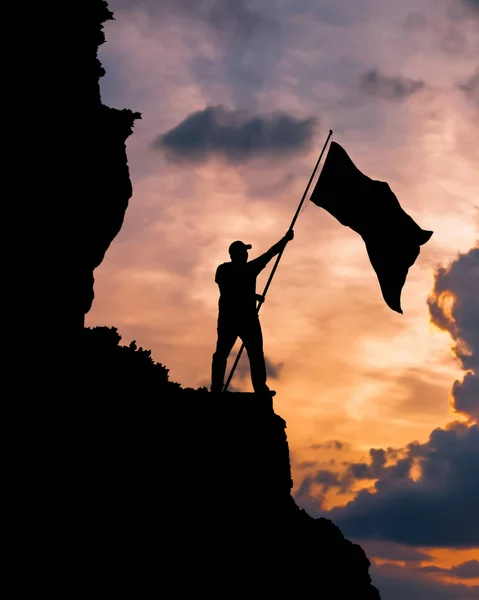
point(394, 552)
point(471, 87)
point(398, 583)
point(466, 570)
point(439, 509)
point(376, 84)
point(374, 469)
point(454, 307)
point(235, 135)
point(323, 478)
point(326, 478)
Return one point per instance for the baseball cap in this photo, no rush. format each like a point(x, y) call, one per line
point(235, 246)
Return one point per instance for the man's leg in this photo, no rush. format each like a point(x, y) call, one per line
point(253, 340)
point(227, 337)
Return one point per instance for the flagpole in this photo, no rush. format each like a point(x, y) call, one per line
point(273, 271)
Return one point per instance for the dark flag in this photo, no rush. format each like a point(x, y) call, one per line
point(370, 208)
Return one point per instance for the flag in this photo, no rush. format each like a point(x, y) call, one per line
point(370, 208)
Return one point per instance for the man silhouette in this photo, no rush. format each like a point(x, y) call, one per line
point(238, 315)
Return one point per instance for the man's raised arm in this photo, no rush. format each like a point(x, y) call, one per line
point(261, 262)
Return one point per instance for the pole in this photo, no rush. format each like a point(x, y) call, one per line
point(273, 271)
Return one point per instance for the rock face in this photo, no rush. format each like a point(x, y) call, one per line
point(102, 187)
point(67, 169)
point(198, 487)
point(71, 171)
point(191, 493)
point(235, 512)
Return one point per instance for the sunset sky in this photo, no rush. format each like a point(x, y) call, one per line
point(237, 99)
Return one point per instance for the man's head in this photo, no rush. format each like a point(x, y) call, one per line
point(239, 252)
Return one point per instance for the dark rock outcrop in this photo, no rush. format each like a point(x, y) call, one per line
point(192, 493)
point(194, 489)
point(100, 182)
point(68, 164)
point(234, 508)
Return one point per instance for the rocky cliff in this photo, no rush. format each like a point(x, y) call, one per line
point(192, 494)
point(234, 513)
point(67, 168)
point(194, 489)
point(100, 186)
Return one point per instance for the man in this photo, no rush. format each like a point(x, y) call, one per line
point(238, 315)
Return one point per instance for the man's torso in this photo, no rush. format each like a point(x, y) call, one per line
point(237, 283)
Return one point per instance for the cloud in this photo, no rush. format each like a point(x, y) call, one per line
point(273, 370)
point(227, 16)
point(396, 583)
point(389, 88)
point(415, 22)
point(330, 445)
point(413, 512)
point(395, 552)
point(471, 87)
point(324, 478)
point(356, 471)
point(458, 10)
point(243, 369)
point(340, 13)
point(466, 570)
point(413, 391)
point(250, 41)
point(235, 135)
point(260, 189)
point(454, 307)
point(454, 42)
point(307, 464)
point(472, 4)
point(235, 17)
point(242, 372)
point(370, 471)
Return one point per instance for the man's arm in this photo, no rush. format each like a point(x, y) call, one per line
point(260, 263)
point(219, 274)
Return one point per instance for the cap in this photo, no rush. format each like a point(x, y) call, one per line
point(235, 246)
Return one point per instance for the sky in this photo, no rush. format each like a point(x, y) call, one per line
point(237, 99)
